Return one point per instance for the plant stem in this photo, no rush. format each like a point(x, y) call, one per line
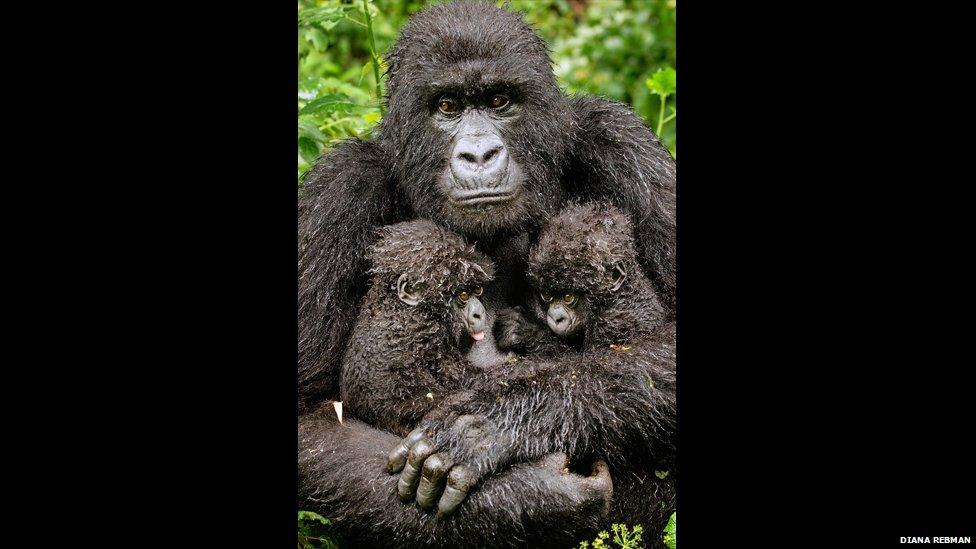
point(660, 118)
point(372, 53)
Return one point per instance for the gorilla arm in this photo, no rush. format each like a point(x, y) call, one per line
point(343, 199)
point(342, 476)
point(618, 158)
point(616, 403)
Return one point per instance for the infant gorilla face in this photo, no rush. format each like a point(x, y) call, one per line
point(567, 312)
point(580, 265)
point(466, 313)
point(436, 275)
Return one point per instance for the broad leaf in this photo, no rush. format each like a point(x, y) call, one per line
point(308, 149)
point(670, 537)
point(332, 102)
point(309, 130)
point(663, 82)
point(322, 16)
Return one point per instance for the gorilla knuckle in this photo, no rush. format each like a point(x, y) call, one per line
point(421, 450)
point(435, 466)
point(462, 478)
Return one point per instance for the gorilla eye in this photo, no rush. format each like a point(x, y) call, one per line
point(498, 101)
point(463, 297)
point(546, 297)
point(447, 106)
point(479, 290)
point(569, 299)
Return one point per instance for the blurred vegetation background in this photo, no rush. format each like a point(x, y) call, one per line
point(621, 49)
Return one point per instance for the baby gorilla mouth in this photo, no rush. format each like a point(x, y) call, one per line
point(475, 318)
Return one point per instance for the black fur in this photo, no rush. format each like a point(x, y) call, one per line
point(584, 147)
point(528, 505)
point(577, 252)
point(403, 360)
point(567, 148)
point(613, 398)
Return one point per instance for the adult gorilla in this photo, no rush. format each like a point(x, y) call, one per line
point(477, 137)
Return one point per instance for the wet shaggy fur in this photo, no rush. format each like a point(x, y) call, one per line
point(399, 354)
point(568, 148)
point(582, 147)
point(615, 402)
point(533, 504)
point(577, 252)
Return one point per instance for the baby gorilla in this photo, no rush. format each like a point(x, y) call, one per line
point(598, 384)
point(592, 291)
point(407, 350)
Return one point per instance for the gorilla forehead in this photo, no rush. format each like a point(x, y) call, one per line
point(468, 43)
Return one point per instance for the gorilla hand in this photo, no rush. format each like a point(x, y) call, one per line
point(581, 496)
point(472, 448)
point(517, 330)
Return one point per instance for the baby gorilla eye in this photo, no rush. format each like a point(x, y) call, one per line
point(479, 290)
point(546, 297)
point(463, 297)
point(569, 299)
point(498, 101)
point(447, 105)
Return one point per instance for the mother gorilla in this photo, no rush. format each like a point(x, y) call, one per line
point(479, 137)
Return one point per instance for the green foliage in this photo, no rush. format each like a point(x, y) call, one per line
point(612, 48)
point(314, 531)
point(622, 537)
point(663, 83)
point(669, 532)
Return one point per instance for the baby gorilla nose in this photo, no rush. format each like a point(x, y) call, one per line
point(560, 320)
point(475, 318)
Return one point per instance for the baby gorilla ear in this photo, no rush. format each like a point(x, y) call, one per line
point(619, 276)
point(406, 293)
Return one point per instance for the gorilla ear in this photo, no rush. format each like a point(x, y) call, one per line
point(408, 295)
point(620, 275)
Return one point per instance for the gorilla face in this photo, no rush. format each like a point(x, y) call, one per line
point(480, 175)
point(476, 125)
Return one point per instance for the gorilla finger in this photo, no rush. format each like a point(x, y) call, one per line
point(459, 483)
point(398, 456)
point(599, 480)
point(432, 481)
point(463, 423)
point(410, 477)
point(556, 461)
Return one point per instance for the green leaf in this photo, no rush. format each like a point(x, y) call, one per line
point(663, 82)
point(313, 516)
point(322, 16)
point(318, 38)
point(308, 149)
point(332, 102)
point(309, 130)
point(670, 532)
point(661, 474)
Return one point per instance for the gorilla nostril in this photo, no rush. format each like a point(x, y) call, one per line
point(468, 157)
point(476, 316)
point(490, 154)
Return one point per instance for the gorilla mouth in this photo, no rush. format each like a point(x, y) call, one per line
point(483, 197)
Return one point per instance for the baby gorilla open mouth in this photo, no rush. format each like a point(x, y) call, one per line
point(475, 318)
